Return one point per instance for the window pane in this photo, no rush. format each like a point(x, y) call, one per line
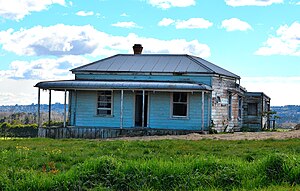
point(104, 98)
point(179, 109)
point(103, 93)
point(180, 97)
point(252, 108)
point(104, 105)
point(103, 112)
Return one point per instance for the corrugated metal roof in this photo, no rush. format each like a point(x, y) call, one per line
point(125, 85)
point(156, 63)
point(256, 94)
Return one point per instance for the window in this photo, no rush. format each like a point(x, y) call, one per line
point(104, 103)
point(267, 106)
point(180, 103)
point(229, 106)
point(240, 108)
point(252, 109)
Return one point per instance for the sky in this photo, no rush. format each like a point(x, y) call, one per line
point(258, 40)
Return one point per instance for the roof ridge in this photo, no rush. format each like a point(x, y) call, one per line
point(217, 66)
point(85, 65)
point(199, 63)
point(164, 54)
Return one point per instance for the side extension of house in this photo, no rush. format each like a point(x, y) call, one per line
point(256, 108)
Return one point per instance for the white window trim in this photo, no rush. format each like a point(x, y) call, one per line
point(172, 105)
point(112, 104)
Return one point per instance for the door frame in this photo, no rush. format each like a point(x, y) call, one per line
point(147, 109)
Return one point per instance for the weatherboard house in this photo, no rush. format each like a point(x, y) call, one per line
point(155, 91)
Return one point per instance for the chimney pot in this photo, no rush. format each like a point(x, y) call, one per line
point(137, 49)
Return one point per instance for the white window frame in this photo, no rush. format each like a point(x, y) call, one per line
point(186, 103)
point(107, 109)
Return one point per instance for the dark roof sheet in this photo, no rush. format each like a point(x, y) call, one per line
point(125, 85)
point(156, 63)
point(256, 94)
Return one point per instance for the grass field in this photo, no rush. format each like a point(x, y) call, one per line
point(46, 164)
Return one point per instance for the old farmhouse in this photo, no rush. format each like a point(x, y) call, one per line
point(159, 91)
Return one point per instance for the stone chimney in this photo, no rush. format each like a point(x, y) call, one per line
point(137, 49)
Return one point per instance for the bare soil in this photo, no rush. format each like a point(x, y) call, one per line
point(230, 136)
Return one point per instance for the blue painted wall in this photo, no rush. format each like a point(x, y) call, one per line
point(85, 112)
point(159, 111)
point(195, 79)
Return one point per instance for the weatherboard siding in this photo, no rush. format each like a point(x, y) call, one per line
point(258, 121)
point(221, 119)
point(85, 112)
point(160, 112)
point(166, 78)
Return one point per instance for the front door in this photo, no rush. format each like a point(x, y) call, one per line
point(139, 110)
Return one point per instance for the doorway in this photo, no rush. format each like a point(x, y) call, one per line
point(138, 121)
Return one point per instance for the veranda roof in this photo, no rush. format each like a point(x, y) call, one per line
point(121, 85)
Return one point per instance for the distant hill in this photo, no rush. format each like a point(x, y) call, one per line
point(289, 115)
point(27, 114)
point(57, 107)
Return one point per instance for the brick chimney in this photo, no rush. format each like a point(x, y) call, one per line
point(137, 49)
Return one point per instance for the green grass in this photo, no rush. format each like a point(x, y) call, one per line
point(46, 164)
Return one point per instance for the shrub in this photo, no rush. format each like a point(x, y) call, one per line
point(297, 127)
point(5, 125)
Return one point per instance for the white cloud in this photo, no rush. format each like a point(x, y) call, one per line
point(124, 15)
point(177, 46)
point(129, 24)
point(285, 42)
point(54, 40)
point(43, 69)
point(165, 22)
point(84, 14)
point(166, 4)
point(237, 3)
point(270, 86)
point(24, 93)
point(18, 9)
point(191, 23)
point(18, 81)
point(60, 40)
point(235, 24)
point(16, 95)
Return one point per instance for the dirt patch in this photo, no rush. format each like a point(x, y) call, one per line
point(232, 136)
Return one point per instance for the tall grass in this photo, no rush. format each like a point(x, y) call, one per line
point(42, 164)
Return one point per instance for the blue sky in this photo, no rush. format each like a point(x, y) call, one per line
point(256, 39)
